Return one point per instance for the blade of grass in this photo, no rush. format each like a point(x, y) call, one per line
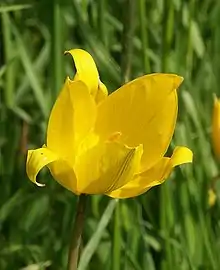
point(189, 53)
point(127, 40)
point(144, 36)
point(166, 208)
point(102, 26)
point(38, 65)
point(168, 29)
point(8, 49)
point(117, 239)
point(126, 63)
point(57, 48)
point(31, 73)
point(11, 8)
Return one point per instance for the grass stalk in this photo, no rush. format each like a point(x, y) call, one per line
point(168, 32)
point(8, 57)
point(144, 36)
point(116, 252)
point(126, 62)
point(57, 48)
point(189, 53)
point(101, 22)
point(127, 39)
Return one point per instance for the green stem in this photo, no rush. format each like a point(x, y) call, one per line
point(77, 233)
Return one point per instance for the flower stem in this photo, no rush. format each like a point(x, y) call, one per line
point(77, 233)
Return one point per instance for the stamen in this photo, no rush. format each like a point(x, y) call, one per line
point(115, 136)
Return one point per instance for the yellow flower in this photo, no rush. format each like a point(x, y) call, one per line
point(216, 127)
point(113, 145)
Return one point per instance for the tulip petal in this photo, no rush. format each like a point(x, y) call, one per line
point(145, 112)
point(61, 171)
point(106, 166)
point(36, 160)
point(64, 175)
point(155, 175)
point(102, 93)
point(71, 119)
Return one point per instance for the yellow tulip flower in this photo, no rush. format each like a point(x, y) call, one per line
point(110, 144)
point(216, 127)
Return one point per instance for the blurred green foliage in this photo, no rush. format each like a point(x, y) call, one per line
point(171, 226)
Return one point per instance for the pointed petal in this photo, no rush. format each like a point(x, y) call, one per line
point(86, 69)
point(106, 167)
point(155, 175)
point(144, 111)
point(88, 73)
point(72, 117)
point(102, 93)
point(61, 171)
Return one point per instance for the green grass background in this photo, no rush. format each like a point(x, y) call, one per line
point(171, 227)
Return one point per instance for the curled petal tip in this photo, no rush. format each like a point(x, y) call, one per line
point(216, 101)
point(86, 69)
point(181, 78)
point(215, 98)
point(36, 160)
point(178, 81)
point(39, 184)
point(68, 79)
point(181, 155)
